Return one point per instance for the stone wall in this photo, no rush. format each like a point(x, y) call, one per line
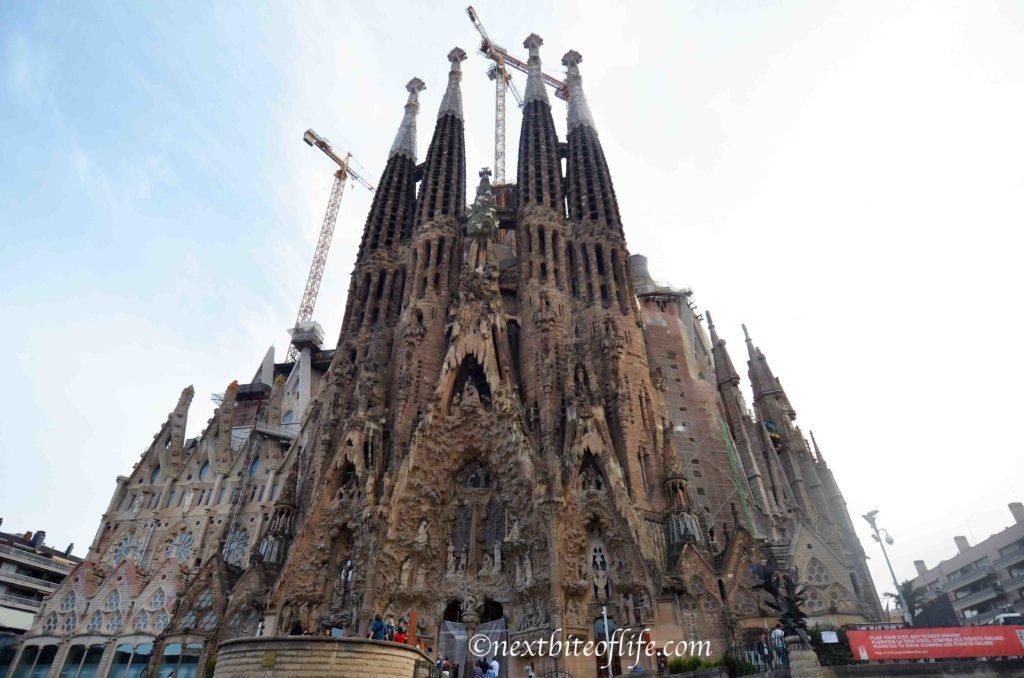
point(314, 656)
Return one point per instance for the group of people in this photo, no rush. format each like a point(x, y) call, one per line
point(773, 648)
point(387, 630)
point(446, 668)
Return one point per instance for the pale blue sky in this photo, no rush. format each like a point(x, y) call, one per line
point(845, 177)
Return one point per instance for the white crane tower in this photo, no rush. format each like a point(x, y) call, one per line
point(323, 245)
point(500, 75)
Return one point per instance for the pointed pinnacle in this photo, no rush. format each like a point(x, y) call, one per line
point(535, 90)
point(405, 139)
point(452, 100)
point(578, 112)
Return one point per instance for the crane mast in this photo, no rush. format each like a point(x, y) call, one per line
point(502, 80)
point(323, 245)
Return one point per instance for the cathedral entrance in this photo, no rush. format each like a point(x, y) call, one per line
point(454, 636)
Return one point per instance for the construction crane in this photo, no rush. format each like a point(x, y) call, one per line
point(499, 74)
point(316, 270)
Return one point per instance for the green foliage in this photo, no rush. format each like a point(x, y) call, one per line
point(832, 654)
point(736, 667)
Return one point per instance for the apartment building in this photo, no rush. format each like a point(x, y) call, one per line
point(984, 580)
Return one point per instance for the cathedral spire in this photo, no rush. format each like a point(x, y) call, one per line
point(724, 369)
point(451, 103)
point(539, 178)
point(391, 212)
point(762, 379)
point(590, 193)
point(534, 77)
point(579, 110)
point(443, 189)
point(817, 452)
point(405, 140)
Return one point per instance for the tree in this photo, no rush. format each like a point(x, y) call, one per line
point(786, 598)
point(915, 598)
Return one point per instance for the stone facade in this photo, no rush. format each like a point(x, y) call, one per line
point(316, 657)
point(518, 428)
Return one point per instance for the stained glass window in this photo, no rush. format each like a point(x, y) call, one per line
point(235, 545)
point(205, 599)
point(209, 621)
point(189, 620)
point(182, 546)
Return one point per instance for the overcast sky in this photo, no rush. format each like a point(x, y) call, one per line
point(844, 177)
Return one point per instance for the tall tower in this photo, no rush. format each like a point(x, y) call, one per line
point(777, 414)
point(544, 277)
point(434, 257)
point(378, 279)
point(607, 318)
point(742, 430)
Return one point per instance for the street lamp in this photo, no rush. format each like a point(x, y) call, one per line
point(877, 533)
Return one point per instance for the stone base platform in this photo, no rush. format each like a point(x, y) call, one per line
point(321, 657)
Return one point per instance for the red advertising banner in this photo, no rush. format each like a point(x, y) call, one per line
point(940, 643)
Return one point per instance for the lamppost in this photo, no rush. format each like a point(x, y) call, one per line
point(877, 533)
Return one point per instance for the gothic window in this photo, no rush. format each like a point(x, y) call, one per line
point(814, 602)
point(95, 622)
point(160, 620)
point(461, 526)
point(115, 623)
point(125, 548)
point(141, 621)
point(839, 597)
point(182, 546)
point(818, 574)
point(209, 621)
point(235, 545)
point(204, 470)
point(494, 523)
point(159, 600)
point(709, 603)
point(113, 601)
point(744, 603)
point(189, 620)
point(205, 599)
point(154, 474)
point(68, 602)
point(50, 625)
point(255, 466)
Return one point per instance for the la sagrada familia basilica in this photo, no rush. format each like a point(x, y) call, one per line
point(515, 428)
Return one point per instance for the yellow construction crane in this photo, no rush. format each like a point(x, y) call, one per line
point(499, 74)
point(323, 245)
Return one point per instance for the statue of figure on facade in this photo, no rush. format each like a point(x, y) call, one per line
point(403, 577)
point(482, 223)
point(600, 585)
point(627, 608)
point(421, 535)
point(346, 580)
